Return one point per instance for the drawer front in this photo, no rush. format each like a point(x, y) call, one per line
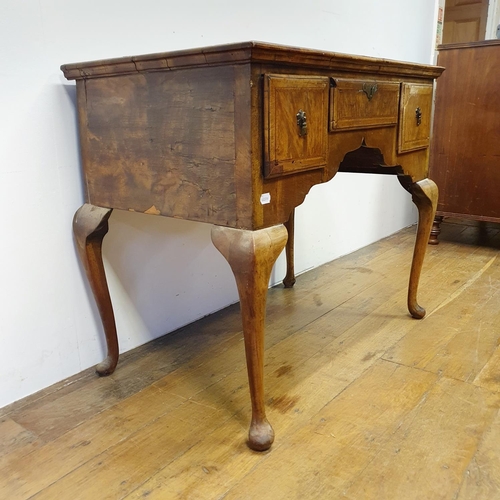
point(295, 123)
point(357, 104)
point(415, 117)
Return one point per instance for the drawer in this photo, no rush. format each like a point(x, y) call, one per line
point(295, 123)
point(358, 104)
point(415, 117)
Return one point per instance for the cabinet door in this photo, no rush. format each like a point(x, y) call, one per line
point(414, 117)
point(295, 123)
point(465, 20)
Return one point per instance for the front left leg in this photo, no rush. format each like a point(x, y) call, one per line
point(90, 225)
point(425, 196)
point(251, 255)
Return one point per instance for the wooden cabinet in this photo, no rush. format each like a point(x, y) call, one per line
point(465, 153)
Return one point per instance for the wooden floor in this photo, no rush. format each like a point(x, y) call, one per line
point(366, 402)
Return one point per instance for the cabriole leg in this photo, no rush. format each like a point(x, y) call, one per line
point(425, 196)
point(90, 225)
point(251, 255)
point(289, 280)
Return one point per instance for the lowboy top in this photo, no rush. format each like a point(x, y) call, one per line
point(244, 52)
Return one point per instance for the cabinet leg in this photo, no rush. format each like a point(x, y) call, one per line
point(90, 225)
point(251, 255)
point(425, 196)
point(289, 280)
point(436, 230)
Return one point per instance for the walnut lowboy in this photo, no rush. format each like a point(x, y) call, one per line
point(235, 136)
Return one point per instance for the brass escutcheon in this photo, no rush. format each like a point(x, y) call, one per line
point(369, 89)
point(418, 115)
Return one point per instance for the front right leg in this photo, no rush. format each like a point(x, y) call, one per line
point(251, 255)
point(90, 225)
point(425, 196)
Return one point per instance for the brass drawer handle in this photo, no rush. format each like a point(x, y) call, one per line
point(369, 89)
point(418, 115)
point(302, 122)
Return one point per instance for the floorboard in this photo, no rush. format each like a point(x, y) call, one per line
point(366, 402)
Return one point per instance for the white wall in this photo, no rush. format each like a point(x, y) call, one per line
point(163, 273)
point(493, 19)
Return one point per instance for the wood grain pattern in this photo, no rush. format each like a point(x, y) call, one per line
point(251, 255)
point(163, 145)
point(187, 140)
point(481, 479)
point(287, 149)
point(467, 106)
point(367, 402)
point(415, 117)
point(13, 436)
point(351, 106)
point(425, 196)
point(90, 225)
point(465, 21)
point(447, 409)
point(257, 52)
point(234, 137)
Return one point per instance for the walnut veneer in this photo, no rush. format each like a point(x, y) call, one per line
point(236, 136)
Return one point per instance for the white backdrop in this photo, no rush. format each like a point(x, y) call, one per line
point(163, 273)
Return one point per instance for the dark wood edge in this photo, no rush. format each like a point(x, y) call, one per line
point(468, 216)
point(468, 45)
point(243, 53)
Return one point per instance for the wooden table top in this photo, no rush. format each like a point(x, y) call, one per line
point(244, 52)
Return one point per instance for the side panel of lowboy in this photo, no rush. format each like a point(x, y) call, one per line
point(163, 143)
